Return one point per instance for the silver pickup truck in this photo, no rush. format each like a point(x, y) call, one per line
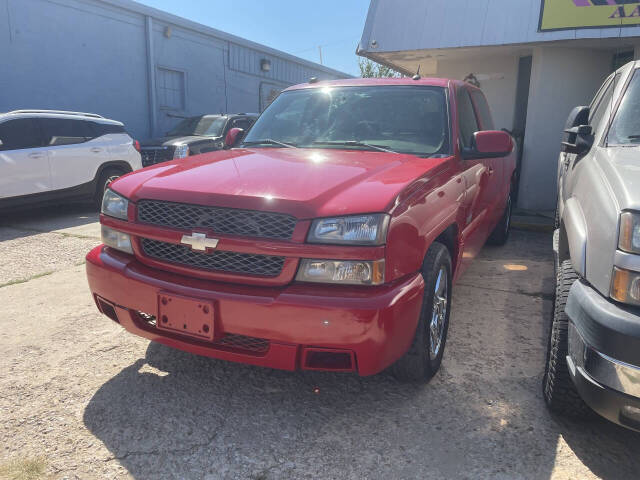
point(593, 357)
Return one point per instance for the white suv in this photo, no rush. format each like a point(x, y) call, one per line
point(49, 155)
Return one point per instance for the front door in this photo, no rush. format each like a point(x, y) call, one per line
point(24, 163)
point(476, 175)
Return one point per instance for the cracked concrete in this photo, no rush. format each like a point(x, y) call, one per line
point(96, 402)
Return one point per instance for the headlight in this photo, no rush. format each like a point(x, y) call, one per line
point(114, 205)
point(629, 239)
point(181, 151)
point(115, 239)
point(346, 272)
point(353, 230)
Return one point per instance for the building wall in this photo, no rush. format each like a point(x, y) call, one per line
point(499, 87)
point(561, 78)
point(92, 55)
point(431, 24)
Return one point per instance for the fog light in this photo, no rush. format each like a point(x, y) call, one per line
point(115, 239)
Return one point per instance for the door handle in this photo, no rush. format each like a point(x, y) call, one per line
point(36, 155)
point(96, 150)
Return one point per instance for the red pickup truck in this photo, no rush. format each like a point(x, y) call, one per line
point(327, 237)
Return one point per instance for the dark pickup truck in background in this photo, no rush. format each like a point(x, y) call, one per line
point(192, 136)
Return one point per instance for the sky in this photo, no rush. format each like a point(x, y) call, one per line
point(297, 27)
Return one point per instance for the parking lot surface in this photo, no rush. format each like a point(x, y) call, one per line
point(82, 398)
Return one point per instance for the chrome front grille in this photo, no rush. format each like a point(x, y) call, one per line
point(216, 261)
point(153, 155)
point(222, 221)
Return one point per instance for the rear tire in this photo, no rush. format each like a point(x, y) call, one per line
point(500, 233)
point(424, 357)
point(560, 394)
point(105, 179)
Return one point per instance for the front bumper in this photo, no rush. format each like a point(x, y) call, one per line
point(375, 324)
point(604, 356)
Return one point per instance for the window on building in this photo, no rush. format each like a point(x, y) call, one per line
point(483, 110)
point(20, 134)
point(466, 118)
point(62, 131)
point(171, 89)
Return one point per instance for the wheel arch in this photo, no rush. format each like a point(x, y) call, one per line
point(119, 164)
point(450, 238)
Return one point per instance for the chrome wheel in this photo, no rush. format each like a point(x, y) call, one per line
point(439, 313)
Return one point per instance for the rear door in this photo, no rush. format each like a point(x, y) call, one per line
point(74, 153)
point(24, 164)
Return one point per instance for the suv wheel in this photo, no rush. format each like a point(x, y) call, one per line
point(105, 179)
point(558, 389)
point(500, 233)
point(424, 356)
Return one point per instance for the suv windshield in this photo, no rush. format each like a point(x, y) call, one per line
point(404, 119)
point(625, 128)
point(204, 126)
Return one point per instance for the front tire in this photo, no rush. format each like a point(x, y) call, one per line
point(424, 357)
point(560, 394)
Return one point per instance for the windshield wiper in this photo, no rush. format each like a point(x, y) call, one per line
point(269, 141)
point(355, 143)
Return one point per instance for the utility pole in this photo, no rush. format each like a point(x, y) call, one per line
point(320, 52)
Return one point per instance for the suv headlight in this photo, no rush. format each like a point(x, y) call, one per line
point(625, 286)
point(181, 151)
point(629, 239)
point(114, 205)
point(370, 229)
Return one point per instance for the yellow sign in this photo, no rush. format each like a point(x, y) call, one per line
point(566, 14)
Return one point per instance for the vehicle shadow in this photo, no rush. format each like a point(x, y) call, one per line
point(25, 222)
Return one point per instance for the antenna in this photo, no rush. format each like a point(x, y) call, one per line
point(417, 75)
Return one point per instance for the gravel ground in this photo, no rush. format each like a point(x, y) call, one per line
point(83, 399)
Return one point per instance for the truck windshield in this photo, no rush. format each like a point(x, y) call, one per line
point(625, 128)
point(404, 119)
point(202, 126)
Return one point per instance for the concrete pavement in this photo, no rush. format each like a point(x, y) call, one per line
point(89, 400)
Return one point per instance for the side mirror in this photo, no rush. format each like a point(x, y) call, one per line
point(580, 140)
point(233, 137)
point(578, 134)
point(489, 144)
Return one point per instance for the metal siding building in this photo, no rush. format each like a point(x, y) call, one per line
point(134, 63)
point(531, 78)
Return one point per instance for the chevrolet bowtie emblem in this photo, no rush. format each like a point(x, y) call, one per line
point(199, 241)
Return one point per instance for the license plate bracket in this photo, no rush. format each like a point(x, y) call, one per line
point(186, 316)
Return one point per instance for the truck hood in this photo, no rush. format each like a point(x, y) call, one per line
point(621, 166)
point(306, 183)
